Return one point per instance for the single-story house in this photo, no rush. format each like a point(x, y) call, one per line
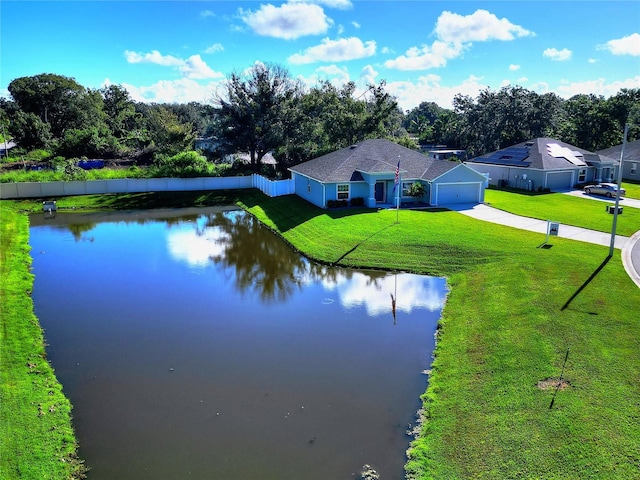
point(544, 163)
point(367, 171)
point(631, 160)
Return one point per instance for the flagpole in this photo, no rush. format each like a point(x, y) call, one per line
point(398, 187)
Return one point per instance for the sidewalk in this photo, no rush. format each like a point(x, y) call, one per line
point(630, 246)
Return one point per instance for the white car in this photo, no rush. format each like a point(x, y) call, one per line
point(606, 189)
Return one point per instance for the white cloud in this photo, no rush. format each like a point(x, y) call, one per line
point(193, 67)
point(426, 57)
point(215, 48)
point(356, 24)
point(206, 14)
point(629, 45)
point(429, 88)
point(597, 87)
point(592, 60)
point(339, 50)
point(514, 68)
point(195, 249)
point(480, 26)
point(413, 291)
point(152, 57)
point(557, 55)
point(338, 76)
point(289, 21)
point(337, 4)
point(368, 76)
point(172, 91)
point(455, 33)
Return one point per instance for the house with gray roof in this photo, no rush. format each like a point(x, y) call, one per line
point(544, 163)
point(631, 160)
point(367, 171)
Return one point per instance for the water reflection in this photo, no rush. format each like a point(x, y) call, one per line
point(201, 346)
point(271, 269)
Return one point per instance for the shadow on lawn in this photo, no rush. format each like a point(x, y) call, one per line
point(289, 211)
point(587, 282)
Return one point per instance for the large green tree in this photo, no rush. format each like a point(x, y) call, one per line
point(58, 101)
point(251, 110)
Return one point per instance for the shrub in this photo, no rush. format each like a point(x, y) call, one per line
point(185, 164)
point(357, 202)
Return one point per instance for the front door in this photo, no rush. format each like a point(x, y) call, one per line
point(379, 191)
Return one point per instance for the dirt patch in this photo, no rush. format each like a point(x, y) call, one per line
point(553, 383)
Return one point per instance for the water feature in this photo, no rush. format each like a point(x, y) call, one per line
point(197, 344)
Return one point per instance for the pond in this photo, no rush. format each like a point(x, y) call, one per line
point(197, 344)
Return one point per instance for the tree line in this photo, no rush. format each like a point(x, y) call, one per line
point(264, 110)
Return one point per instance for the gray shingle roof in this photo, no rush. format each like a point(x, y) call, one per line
point(631, 152)
point(373, 156)
point(539, 155)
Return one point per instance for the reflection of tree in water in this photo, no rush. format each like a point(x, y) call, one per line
point(266, 264)
point(77, 229)
point(261, 261)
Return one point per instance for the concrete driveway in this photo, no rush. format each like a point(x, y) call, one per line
point(624, 201)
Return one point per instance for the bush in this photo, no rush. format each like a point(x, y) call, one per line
point(185, 164)
point(357, 202)
point(337, 203)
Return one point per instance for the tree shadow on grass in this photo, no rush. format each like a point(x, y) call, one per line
point(587, 282)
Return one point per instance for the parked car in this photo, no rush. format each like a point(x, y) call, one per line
point(606, 189)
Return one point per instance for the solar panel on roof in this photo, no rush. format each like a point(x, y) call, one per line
point(514, 156)
point(572, 156)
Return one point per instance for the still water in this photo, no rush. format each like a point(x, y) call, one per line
point(197, 344)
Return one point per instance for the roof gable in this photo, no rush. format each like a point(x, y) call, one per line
point(376, 156)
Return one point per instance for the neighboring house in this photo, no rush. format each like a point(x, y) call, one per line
point(631, 160)
point(544, 163)
point(367, 170)
point(205, 144)
point(5, 147)
point(447, 154)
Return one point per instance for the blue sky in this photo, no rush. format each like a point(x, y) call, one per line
point(180, 51)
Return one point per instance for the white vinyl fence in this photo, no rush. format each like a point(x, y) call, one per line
point(137, 185)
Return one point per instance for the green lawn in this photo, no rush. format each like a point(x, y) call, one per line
point(632, 188)
point(503, 330)
point(566, 209)
point(36, 438)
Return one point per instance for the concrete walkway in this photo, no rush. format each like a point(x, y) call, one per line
point(630, 246)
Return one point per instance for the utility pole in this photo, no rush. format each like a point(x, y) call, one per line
point(615, 211)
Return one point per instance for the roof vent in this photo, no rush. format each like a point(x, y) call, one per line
point(528, 144)
point(353, 146)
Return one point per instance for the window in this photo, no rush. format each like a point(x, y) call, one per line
point(343, 192)
point(582, 175)
point(634, 167)
point(406, 186)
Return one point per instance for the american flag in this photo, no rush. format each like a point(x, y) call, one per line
point(397, 176)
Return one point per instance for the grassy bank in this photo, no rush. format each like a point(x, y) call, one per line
point(36, 438)
point(503, 330)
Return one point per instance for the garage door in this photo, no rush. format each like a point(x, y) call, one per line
point(449, 193)
point(559, 181)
